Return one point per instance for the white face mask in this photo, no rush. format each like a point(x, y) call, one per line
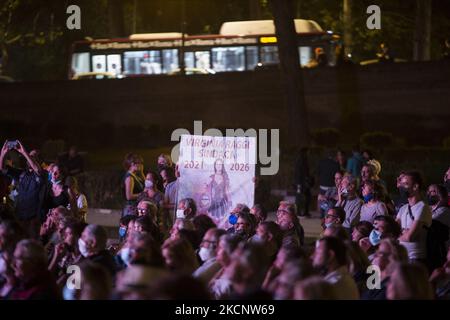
point(257, 239)
point(180, 214)
point(83, 249)
point(148, 184)
point(125, 255)
point(3, 265)
point(205, 254)
point(68, 294)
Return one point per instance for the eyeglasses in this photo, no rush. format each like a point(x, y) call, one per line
point(142, 210)
point(209, 243)
point(331, 216)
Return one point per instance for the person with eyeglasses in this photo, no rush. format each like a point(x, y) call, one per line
point(335, 215)
point(207, 254)
point(35, 282)
point(289, 223)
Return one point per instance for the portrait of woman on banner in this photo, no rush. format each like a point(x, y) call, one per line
point(218, 189)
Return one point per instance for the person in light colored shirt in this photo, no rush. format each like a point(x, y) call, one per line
point(414, 217)
point(349, 200)
point(373, 206)
point(330, 257)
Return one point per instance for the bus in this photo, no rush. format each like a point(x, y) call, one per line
point(240, 46)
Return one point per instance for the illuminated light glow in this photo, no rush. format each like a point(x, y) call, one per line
point(171, 43)
point(268, 39)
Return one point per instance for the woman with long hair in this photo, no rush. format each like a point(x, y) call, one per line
point(134, 182)
point(218, 189)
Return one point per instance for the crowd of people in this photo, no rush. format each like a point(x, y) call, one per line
point(166, 250)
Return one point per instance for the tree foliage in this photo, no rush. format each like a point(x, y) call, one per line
point(35, 41)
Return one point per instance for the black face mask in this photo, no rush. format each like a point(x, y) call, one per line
point(161, 167)
point(404, 192)
point(432, 200)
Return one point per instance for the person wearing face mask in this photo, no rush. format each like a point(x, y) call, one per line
point(330, 258)
point(373, 206)
point(438, 240)
point(334, 216)
point(414, 218)
point(164, 161)
point(151, 191)
point(385, 227)
point(349, 201)
point(440, 211)
point(207, 254)
point(187, 209)
point(92, 246)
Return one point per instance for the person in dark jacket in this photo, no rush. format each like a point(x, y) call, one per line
point(92, 246)
point(30, 182)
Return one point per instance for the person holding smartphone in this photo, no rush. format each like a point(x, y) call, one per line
point(30, 182)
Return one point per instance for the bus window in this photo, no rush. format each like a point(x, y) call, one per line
point(153, 63)
point(132, 61)
point(269, 54)
point(189, 60)
point(142, 62)
point(170, 60)
point(202, 60)
point(99, 63)
point(252, 57)
point(228, 59)
point(305, 54)
point(80, 63)
point(114, 64)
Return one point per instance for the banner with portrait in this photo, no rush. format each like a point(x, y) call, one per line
point(217, 172)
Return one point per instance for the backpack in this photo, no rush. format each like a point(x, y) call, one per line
point(437, 237)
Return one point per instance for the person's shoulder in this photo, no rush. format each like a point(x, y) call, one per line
point(381, 205)
point(403, 208)
point(420, 207)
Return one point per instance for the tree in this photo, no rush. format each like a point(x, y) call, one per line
point(291, 76)
point(41, 30)
point(116, 18)
point(422, 32)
